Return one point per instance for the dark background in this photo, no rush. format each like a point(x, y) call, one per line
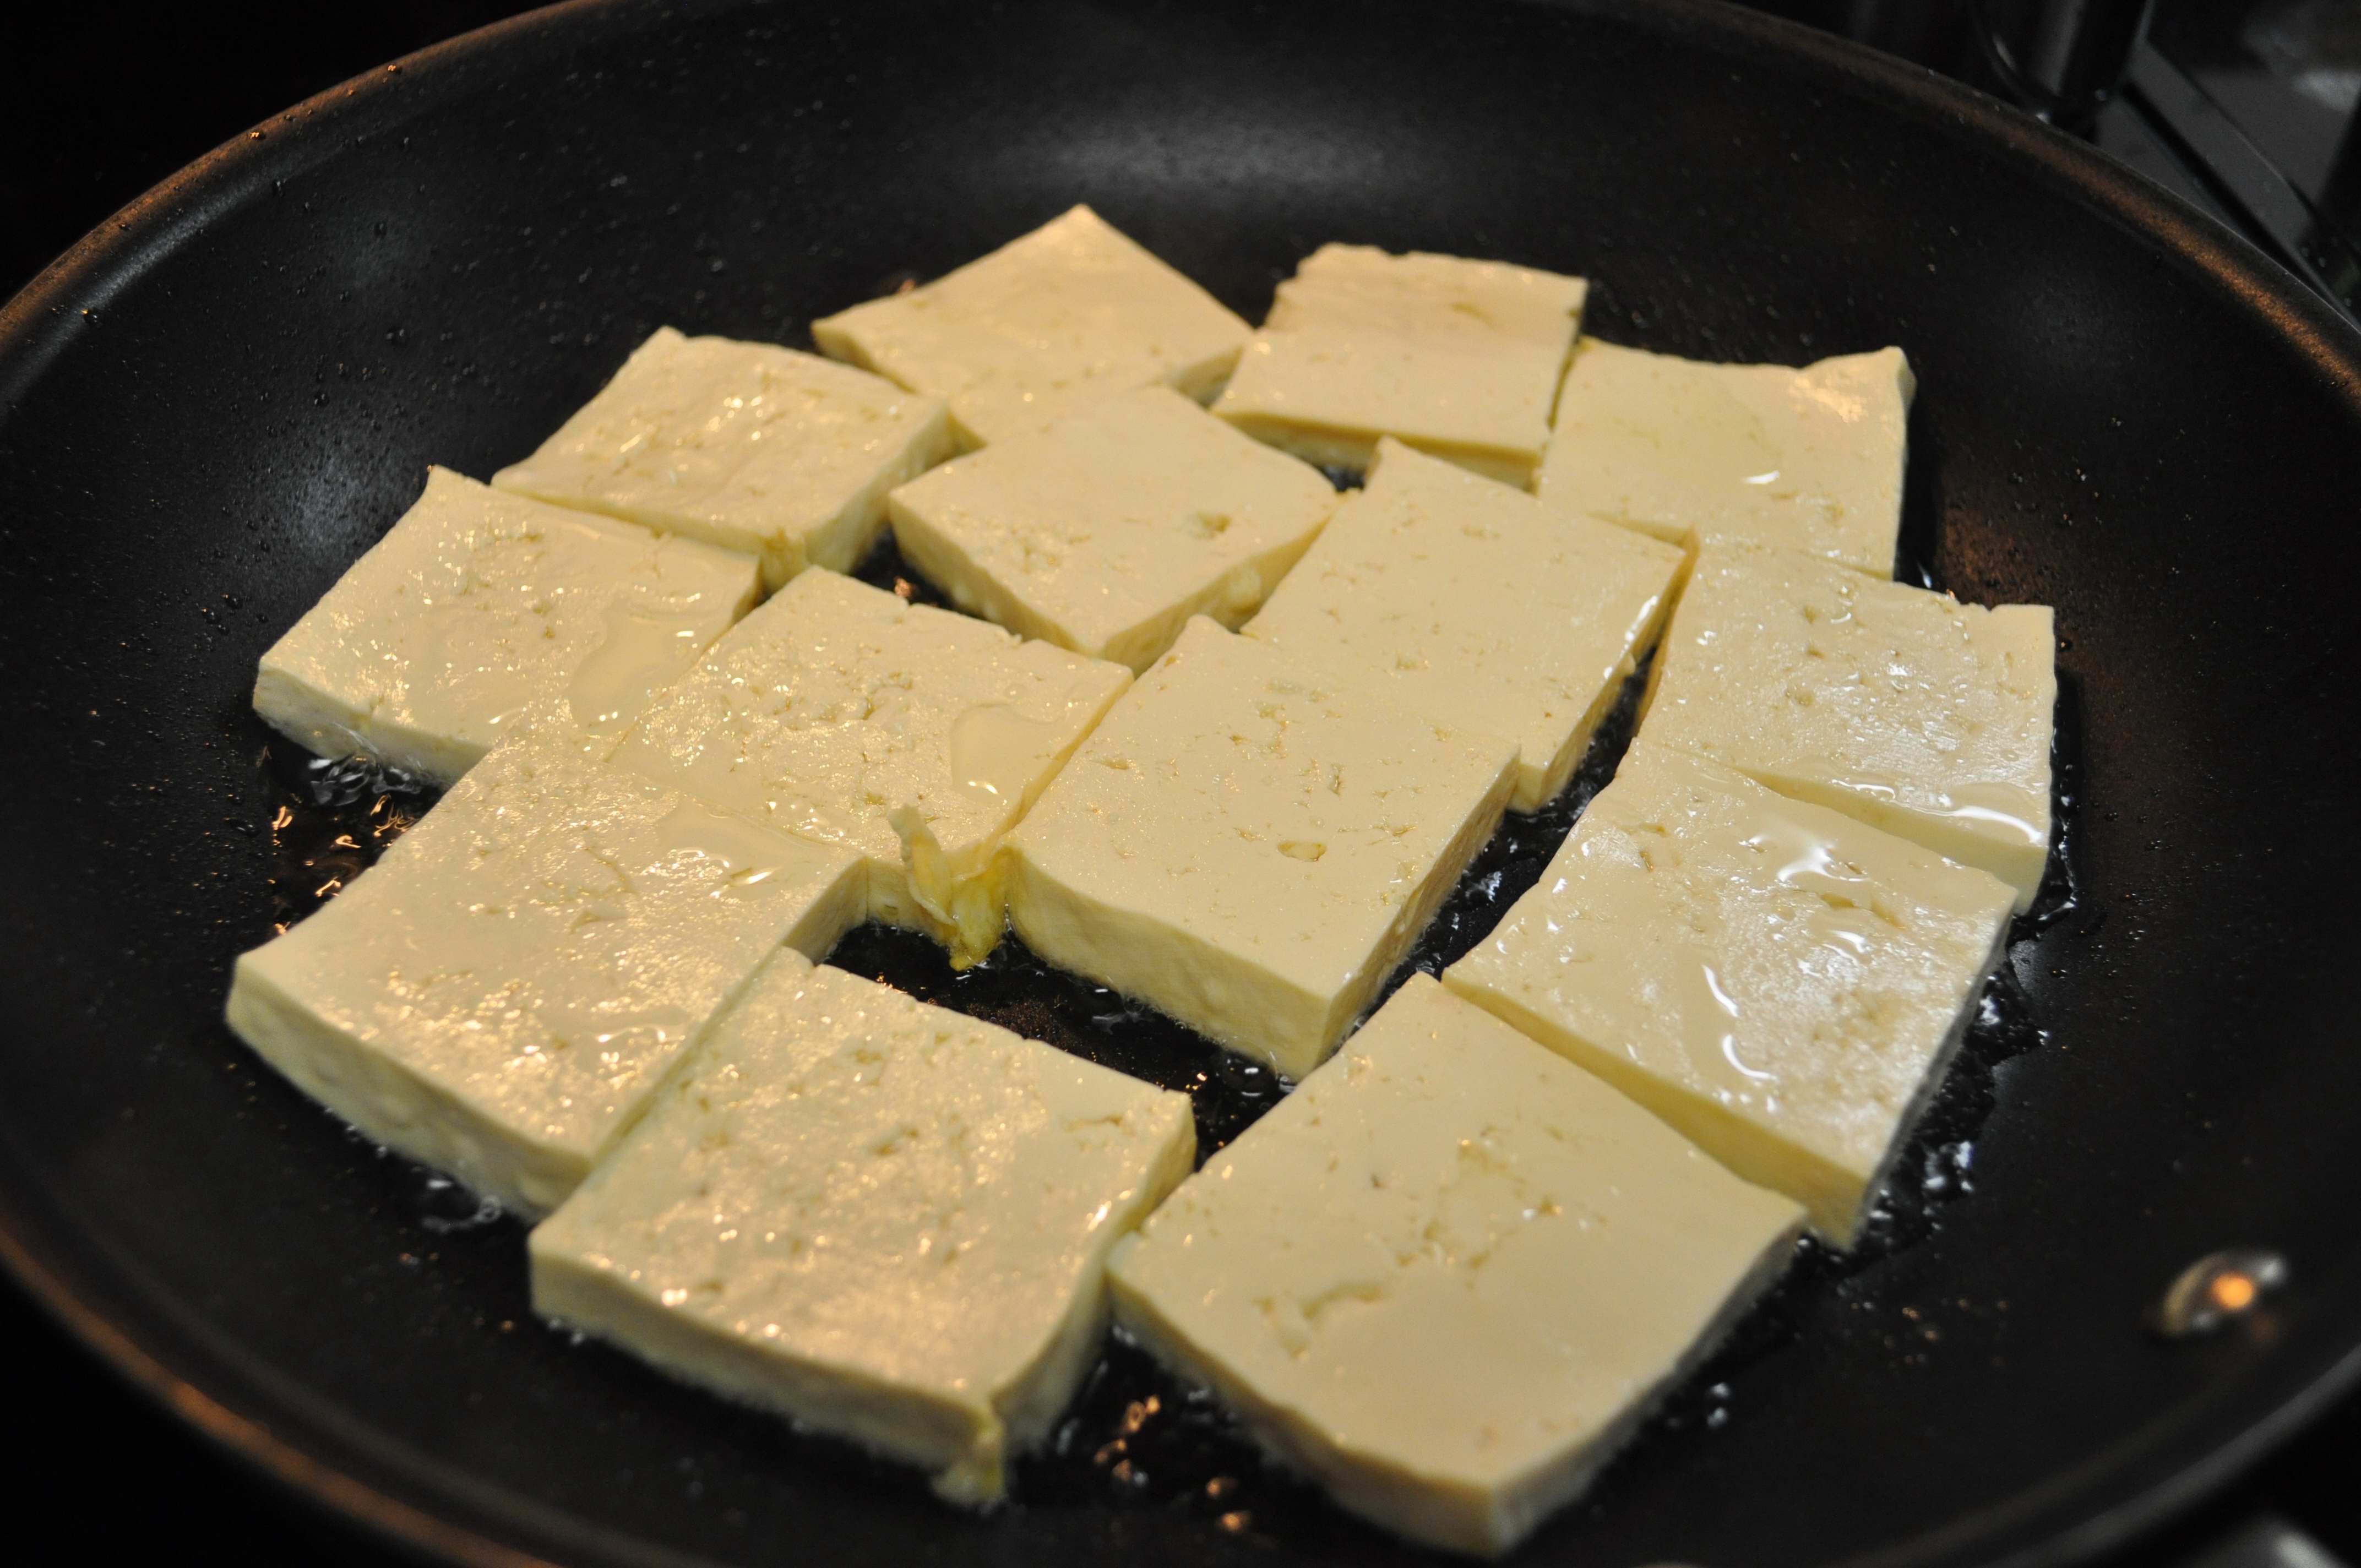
point(99, 101)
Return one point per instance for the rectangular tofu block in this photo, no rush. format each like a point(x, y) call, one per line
point(886, 1220)
point(1811, 459)
point(1105, 533)
point(1041, 328)
point(1447, 1277)
point(499, 995)
point(1916, 713)
point(1455, 357)
point(1251, 846)
point(1477, 606)
point(1784, 984)
point(787, 456)
point(477, 606)
point(911, 735)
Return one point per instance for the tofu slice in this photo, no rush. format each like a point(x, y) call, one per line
point(912, 736)
point(1784, 985)
point(1447, 1275)
point(1251, 846)
point(477, 606)
point(1912, 711)
point(502, 992)
point(1811, 459)
point(783, 455)
point(1041, 328)
point(1477, 606)
point(884, 1220)
point(1458, 358)
point(1105, 533)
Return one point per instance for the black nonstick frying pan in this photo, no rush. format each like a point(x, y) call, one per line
point(215, 404)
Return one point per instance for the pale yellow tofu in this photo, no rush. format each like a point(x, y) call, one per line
point(1916, 713)
point(477, 607)
point(1458, 358)
point(1251, 846)
point(1784, 984)
point(1447, 1275)
point(1105, 533)
point(1043, 327)
point(913, 736)
point(499, 994)
point(1811, 459)
point(885, 1220)
point(787, 456)
point(1472, 603)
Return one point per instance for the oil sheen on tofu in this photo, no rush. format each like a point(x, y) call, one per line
point(1784, 984)
point(886, 1220)
point(1477, 606)
point(913, 736)
point(1043, 327)
point(1105, 533)
point(1459, 358)
point(477, 607)
point(1811, 459)
point(1445, 1277)
point(499, 995)
point(1251, 846)
point(1916, 713)
point(782, 455)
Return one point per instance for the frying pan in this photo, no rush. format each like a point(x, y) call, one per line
point(215, 404)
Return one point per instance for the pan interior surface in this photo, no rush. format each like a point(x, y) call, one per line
point(216, 403)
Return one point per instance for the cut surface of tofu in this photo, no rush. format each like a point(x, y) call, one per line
point(912, 735)
point(500, 993)
point(477, 606)
point(1916, 713)
point(1445, 1277)
point(886, 1220)
point(1784, 984)
point(1810, 459)
point(783, 455)
point(1475, 604)
point(1455, 357)
point(1251, 846)
point(1041, 328)
point(1105, 533)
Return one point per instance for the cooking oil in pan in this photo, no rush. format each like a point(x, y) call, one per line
point(329, 822)
point(1133, 1435)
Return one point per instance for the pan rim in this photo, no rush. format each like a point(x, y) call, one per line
point(2184, 1457)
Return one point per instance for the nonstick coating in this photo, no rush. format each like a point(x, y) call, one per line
point(216, 403)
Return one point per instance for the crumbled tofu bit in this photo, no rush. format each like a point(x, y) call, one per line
point(1447, 1277)
point(1916, 713)
point(787, 456)
point(1041, 328)
point(1477, 606)
point(476, 607)
point(1455, 357)
point(1252, 846)
point(1784, 984)
point(1811, 459)
point(498, 994)
point(886, 1220)
point(1105, 533)
point(912, 735)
